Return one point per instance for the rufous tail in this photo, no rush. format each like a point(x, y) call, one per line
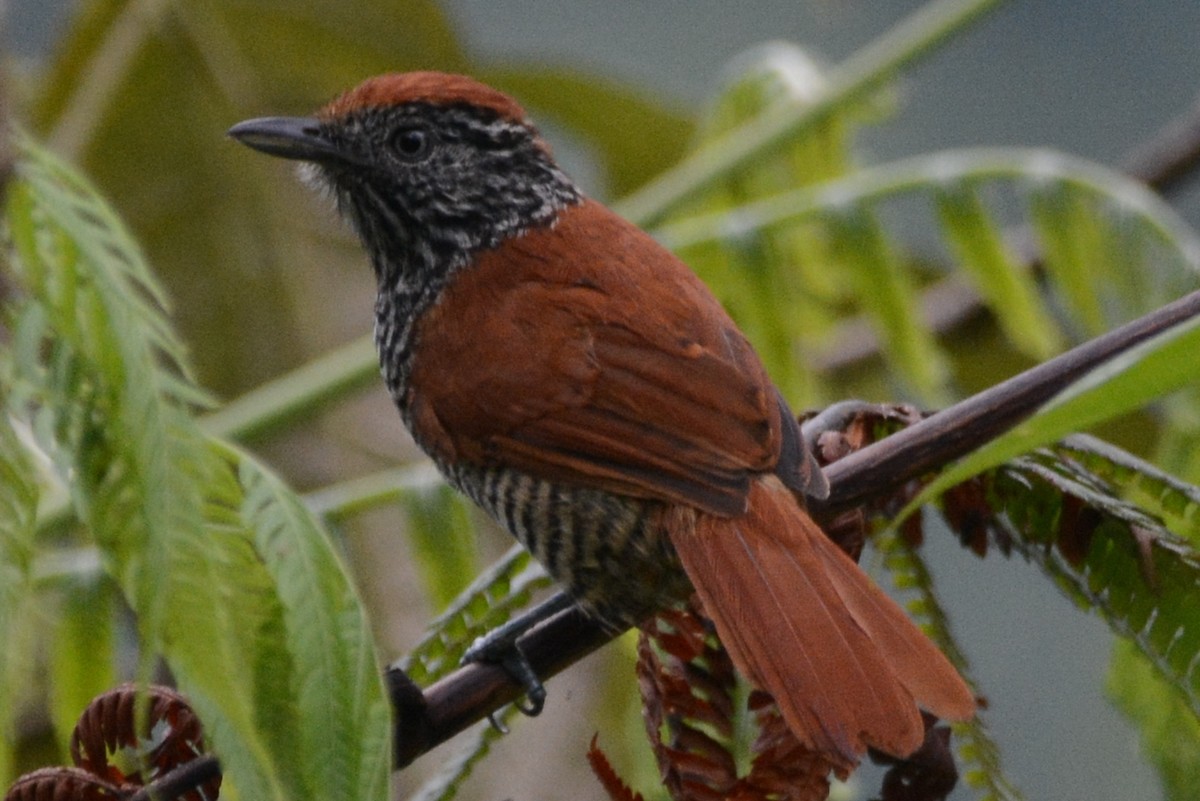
point(801, 620)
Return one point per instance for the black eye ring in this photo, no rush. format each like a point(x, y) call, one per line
point(411, 143)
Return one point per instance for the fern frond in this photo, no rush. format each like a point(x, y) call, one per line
point(97, 396)
point(231, 579)
point(1098, 228)
point(490, 600)
point(1176, 503)
point(1109, 554)
point(687, 682)
point(226, 642)
point(774, 282)
point(871, 68)
point(101, 260)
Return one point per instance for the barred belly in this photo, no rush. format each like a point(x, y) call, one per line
point(608, 551)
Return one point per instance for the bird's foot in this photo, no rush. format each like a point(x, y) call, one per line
point(500, 647)
point(508, 655)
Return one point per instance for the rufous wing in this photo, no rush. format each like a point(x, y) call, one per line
point(846, 666)
point(618, 371)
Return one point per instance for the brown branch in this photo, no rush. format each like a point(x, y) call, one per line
point(961, 428)
point(469, 694)
point(476, 690)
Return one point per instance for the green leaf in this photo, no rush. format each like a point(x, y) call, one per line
point(1150, 254)
point(234, 585)
point(1176, 503)
point(120, 432)
point(1170, 730)
point(1072, 246)
point(1006, 285)
point(1108, 554)
point(226, 643)
point(342, 710)
point(887, 295)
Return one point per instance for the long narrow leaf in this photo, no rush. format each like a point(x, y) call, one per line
point(1071, 239)
point(887, 295)
point(1008, 288)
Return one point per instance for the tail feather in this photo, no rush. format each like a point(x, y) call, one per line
point(924, 670)
point(800, 619)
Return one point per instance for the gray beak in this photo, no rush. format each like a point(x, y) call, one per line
point(290, 138)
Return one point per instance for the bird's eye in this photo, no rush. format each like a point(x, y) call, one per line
point(411, 143)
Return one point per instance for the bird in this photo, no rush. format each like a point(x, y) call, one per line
point(579, 382)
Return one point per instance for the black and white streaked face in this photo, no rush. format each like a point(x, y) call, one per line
point(430, 169)
point(425, 186)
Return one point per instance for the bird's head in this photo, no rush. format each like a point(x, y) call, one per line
point(428, 167)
